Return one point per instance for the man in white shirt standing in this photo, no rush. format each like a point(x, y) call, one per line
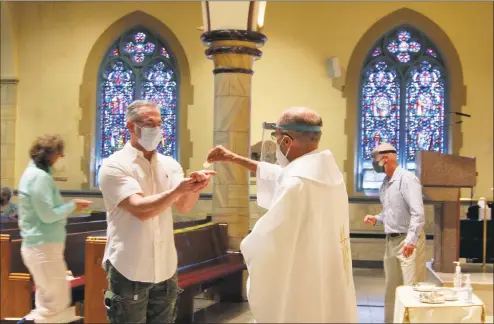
point(139, 188)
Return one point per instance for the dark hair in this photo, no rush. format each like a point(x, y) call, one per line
point(5, 196)
point(43, 150)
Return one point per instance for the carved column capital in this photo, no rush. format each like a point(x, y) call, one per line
point(233, 51)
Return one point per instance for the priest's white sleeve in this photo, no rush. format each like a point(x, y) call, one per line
point(265, 182)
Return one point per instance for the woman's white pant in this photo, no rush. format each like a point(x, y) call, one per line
point(47, 265)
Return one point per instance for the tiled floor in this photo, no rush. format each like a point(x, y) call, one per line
point(369, 284)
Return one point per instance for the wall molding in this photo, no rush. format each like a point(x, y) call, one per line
point(9, 81)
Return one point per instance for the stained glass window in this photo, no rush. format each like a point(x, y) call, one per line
point(402, 101)
point(137, 66)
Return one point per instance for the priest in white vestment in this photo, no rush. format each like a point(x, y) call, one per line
point(298, 254)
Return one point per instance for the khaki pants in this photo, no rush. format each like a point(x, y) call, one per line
point(400, 270)
point(47, 265)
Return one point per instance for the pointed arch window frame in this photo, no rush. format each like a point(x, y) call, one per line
point(403, 73)
point(170, 61)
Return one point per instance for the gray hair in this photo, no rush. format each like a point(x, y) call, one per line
point(134, 108)
point(302, 116)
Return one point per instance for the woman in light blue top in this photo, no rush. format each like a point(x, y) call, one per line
point(42, 218)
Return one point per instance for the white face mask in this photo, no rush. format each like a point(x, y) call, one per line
point(150, 138)
point(280, 157)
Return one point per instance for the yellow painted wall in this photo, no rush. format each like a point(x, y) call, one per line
point(8, 64)
point(302, 36)
point(54, 40)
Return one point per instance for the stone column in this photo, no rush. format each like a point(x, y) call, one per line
point(233, 53)
point(8, 102)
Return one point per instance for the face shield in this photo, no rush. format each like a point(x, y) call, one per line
point(268, 143)
point(270, 133)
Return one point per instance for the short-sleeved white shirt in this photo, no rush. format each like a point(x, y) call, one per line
point(140, 250)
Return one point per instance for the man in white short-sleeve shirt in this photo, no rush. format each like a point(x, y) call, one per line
point(139, 187)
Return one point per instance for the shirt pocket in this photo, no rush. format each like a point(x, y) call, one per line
point(394, 193)
point(163, 179)
point(144, 178)
point(382, 194)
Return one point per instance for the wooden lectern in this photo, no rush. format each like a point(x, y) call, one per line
point(442, 176)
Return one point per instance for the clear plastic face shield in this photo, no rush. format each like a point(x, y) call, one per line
point(272, 133)
point(268, 143)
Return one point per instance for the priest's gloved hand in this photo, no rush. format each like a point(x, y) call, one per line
point(408, 250)
point(220, 154)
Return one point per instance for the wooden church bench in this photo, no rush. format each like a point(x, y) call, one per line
point(16, 278)
point(70, 228)
point(9, 227)
point(84, 218)
point(16, 320)
point(203, 262)
point(191, 223)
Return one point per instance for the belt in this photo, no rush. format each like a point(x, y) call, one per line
point(395, 234)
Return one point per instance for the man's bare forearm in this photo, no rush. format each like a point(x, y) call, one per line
point(245, 162)
point(148, 207)
point(185, 203)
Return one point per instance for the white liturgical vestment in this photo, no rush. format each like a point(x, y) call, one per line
point(298, 254)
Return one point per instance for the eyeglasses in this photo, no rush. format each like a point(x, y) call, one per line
point(276, 135)
point(148, 123)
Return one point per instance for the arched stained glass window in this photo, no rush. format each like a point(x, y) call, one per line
point(137, 66)
point(403, 101)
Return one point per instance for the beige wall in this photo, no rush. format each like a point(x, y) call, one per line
point(8, 94)
point(55, 40)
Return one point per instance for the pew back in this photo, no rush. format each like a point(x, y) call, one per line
point(191, 223)
point(8, 227)
point(75, 247)
point(195, 245)
point(70, 228)
point(15, 276)
point(200, 244)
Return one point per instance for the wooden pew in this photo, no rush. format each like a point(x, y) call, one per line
point(26, 321)
point(203, 262)
point(180, 225)
point(70, 227)
point(83, 226)
point(17, 288)
point(17, 263)
point(9, 227)
point(84, 218)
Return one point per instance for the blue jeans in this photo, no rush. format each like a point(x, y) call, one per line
point(129, 301)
